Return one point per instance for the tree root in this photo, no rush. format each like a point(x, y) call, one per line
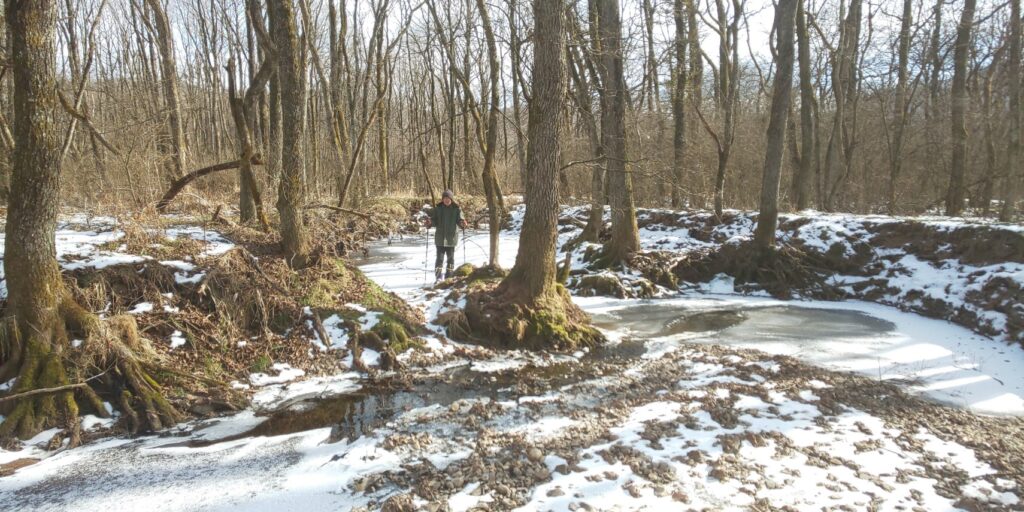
point(497, 317)
point(113, 358)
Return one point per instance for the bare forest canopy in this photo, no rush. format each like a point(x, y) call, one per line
point(396, 95)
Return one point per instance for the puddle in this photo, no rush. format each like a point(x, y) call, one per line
point(750, 324)
point(352, 415)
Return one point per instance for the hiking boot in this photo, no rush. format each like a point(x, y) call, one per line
point(437, 274)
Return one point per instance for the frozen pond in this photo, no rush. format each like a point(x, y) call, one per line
point(932, 357)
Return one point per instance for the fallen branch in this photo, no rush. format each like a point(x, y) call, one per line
point(183, 181)
point(339, 209)
point(58, 389)
point(321, 331)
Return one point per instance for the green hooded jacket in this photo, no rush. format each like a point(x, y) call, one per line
point(446, 220)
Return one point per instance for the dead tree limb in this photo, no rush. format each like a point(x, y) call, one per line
point(183, 181)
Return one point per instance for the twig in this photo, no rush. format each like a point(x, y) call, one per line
point(57, 389)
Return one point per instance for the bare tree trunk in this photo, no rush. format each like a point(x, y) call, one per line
point(679, 100)
point(625, 238)
point(1014, 172)
point(651, 63)
point(767, 219)
point(490, 179)
point(598, 175)
point(802, 180)
point(901, 105)
point(34, 286)
point(169, 73)
point(935, 61)
point(534, 270)
point(516, 57)
point(843, 84)
point(250, 201)
point(290, 72)
point(958, 92)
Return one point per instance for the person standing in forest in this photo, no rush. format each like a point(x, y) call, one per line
point(447, 218)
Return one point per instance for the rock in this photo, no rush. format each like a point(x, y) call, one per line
point(534, 454)
point(399, 503)
point(359, 485)
point(557, 491)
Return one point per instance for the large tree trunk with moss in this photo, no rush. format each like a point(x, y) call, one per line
point(290, 72)
point(41, 314)
point(625, 238)
point(529, 309)
point(767, 219)
point(34, 285)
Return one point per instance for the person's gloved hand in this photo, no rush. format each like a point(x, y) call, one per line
point(463, 224)
point(426, 222)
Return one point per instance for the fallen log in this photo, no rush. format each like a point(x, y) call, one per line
point(180, 183)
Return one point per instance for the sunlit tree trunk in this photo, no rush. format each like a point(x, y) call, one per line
point(625, 239)
point(534, 270)
point(767, 219)
point(679, 99)
point(1014, 172)
point(169, 82)
point(901, 105)
point(290, 73)
point(802, 179)
point(958, 107)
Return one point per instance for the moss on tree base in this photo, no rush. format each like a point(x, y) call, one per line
point(113, 360)
point(497, 317)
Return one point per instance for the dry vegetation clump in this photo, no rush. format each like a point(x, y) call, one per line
point(240, 314)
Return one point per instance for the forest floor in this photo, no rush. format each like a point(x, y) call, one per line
point(713, 395)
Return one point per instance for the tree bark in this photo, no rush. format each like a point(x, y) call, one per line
point(490, 178)
point(250, 201)
point(802, 179)
point(625, 239)
point(1014, 172)
point(679, 99)
point(290, 73)
point(34, 286)
point(767, 219)
point(958, 107)
point(900, 105)
point(534, 270)
point(169, 82)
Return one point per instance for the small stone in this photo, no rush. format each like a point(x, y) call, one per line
point(534, 454)
point(557, 491)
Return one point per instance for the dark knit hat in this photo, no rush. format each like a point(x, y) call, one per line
point(448, 193)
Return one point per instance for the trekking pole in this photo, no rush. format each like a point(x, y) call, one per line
point(464, 261)
point(426, 254)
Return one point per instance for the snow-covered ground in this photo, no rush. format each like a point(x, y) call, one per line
point(680, 423)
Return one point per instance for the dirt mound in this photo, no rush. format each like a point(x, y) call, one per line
point(974, 245)
point(784, 272)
